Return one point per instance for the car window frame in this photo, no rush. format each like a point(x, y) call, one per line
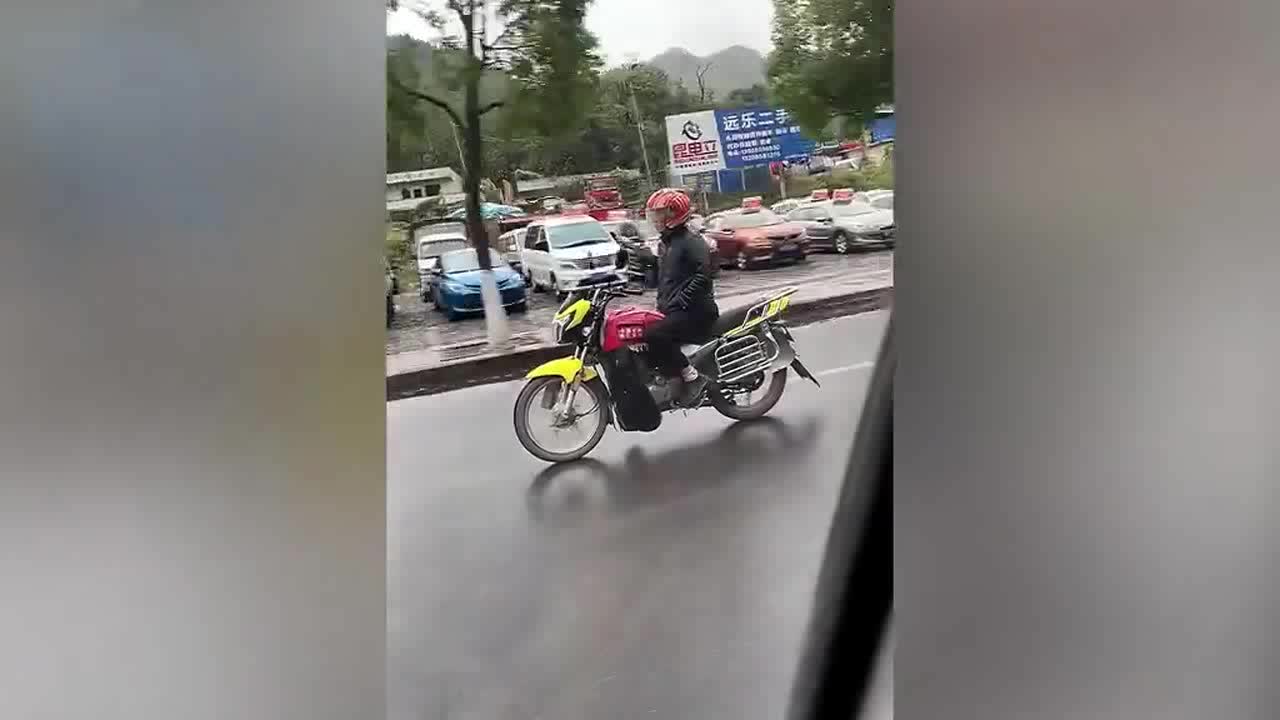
point(848, 627)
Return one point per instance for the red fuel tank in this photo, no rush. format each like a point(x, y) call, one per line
point(625, 326)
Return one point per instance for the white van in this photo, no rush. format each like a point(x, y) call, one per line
point(511, 245)
point(429, 250)
point(561, 253)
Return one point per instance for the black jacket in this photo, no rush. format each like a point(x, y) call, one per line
point(684, 273)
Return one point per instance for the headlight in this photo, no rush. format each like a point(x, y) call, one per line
point(568, 266)
point(453, 287)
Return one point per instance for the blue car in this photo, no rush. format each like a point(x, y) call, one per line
point(455, 284)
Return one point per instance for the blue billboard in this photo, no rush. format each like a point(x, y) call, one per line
point(758, 136)
point(883, 128)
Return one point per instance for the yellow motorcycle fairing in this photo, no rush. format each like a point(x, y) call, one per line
point(573, 315)
point(565, 367)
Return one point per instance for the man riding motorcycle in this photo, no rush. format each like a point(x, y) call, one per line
point(684, 291)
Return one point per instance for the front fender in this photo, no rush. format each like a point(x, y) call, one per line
point(565, 367)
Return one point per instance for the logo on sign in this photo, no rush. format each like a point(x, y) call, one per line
point(691, 130)
point(695, 151)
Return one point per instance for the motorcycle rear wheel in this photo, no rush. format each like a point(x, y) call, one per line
point(593, 389)
point(726, 407)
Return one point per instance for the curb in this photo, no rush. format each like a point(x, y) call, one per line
point(489, 369)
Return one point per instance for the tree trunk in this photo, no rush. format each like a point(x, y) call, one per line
point(495, 316)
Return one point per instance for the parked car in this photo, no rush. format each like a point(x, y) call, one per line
point(843, 226)
point(565, 252)
point(455, 284)
point(510, 244)
point(755, 236)
point(430, 248)
point(782, 207)
point(847, 163)
point(880, 199)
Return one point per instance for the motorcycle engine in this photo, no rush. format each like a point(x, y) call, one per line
point(662, 391)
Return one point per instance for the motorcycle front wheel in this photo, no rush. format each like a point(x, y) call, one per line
point(745, 401)
point(559, 440)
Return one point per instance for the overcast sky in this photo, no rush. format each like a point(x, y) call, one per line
point(640, 29)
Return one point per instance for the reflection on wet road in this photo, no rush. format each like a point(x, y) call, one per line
point(668, 575)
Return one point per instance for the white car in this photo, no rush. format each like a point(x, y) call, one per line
point(564, 252)
point(430, 248)
point(846, 164)
point(854, 221)
point(511, 244)
point(880, 199)
point(782, 207)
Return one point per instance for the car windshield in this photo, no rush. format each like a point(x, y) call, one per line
point(434, 248)
point(575, 234)
point(759, 218)
point(851, 209)
point(466, 261)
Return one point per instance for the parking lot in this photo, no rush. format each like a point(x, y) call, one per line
point(417, 325)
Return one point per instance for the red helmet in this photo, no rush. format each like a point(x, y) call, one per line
point(668, 208)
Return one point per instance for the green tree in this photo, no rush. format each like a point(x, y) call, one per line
point(544, 46)
point(832, 59)
point(746, 97)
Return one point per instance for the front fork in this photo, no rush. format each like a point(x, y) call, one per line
point(563, 407)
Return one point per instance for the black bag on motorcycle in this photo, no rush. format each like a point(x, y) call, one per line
point(633, 405)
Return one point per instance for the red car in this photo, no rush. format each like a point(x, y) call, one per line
point(756, 236)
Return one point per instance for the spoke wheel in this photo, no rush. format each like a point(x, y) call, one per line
point(560, 439)
point(751, 398)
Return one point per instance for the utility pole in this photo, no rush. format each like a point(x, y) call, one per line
point(635, 109)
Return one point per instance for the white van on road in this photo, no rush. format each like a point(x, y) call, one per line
point(561, 252)
point(430, 248)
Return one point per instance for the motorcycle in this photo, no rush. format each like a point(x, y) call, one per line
point(610, 379)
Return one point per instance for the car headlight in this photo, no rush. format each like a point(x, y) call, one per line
point(568, 266)
point(453, 287)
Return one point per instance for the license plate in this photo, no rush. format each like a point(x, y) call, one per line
point(788, 246)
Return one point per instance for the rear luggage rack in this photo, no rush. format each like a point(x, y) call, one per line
point(742, 357)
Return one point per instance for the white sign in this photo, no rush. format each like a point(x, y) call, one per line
point(693, 143)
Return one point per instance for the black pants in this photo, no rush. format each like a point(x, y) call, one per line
point(678, 328)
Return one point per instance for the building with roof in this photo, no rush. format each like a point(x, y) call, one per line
point(406, 190)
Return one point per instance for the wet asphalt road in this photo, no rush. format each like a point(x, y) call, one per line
point(668, 576)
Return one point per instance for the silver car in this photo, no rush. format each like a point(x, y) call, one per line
point(844, 225)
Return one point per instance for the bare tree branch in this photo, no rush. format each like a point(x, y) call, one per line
point(701, 73)
point(491, 106)
point(453, 114)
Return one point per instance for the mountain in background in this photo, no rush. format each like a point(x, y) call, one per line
point(733, 68)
